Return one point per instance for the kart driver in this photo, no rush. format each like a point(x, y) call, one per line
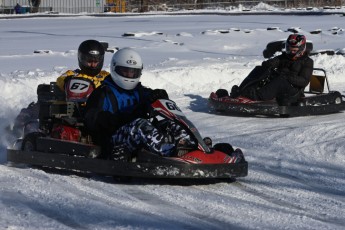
point(283, 77)
point(116, 112)
point(90, 59)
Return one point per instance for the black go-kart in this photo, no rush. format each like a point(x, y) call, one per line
point(316, 99)
point(61, 141)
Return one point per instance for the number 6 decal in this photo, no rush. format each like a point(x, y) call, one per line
point(173, 108)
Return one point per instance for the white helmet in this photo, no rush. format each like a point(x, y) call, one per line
point(125, 68)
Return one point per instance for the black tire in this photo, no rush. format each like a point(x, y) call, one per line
point(267, 54)
point(309, 47)
point(105, 45)
point(272, 48)
point(30, 141)
point(222, 93)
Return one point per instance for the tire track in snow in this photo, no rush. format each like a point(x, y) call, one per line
point(150, 203)
point(297, 209)
point(23, 201)
point(191, 219)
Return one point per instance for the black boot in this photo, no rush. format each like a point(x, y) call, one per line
point(222, 93)
point(235, 91)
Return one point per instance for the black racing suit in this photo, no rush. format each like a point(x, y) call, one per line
point(284, 78)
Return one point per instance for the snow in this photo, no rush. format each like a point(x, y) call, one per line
point(296, 174)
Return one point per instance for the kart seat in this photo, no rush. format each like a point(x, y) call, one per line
point(59, 117)
point(317, 84)
point(318, 81)
point(53, 106)
point(56, 103)
point(49, 92)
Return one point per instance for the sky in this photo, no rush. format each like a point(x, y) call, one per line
point(296, 177)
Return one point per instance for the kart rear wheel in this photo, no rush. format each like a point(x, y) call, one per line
point(30, 141)
point(272, 48)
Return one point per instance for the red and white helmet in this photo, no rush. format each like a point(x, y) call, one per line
point(296, 41)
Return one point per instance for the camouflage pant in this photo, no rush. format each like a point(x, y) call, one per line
point(142, 133)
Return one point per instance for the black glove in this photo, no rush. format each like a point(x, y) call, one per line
point(158, 94)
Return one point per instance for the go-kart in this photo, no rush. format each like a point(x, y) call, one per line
point(315, 100)
point(61, 141)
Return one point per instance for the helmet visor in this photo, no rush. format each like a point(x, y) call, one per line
point(292, 50)
point(128, 72)
point(91, 61)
